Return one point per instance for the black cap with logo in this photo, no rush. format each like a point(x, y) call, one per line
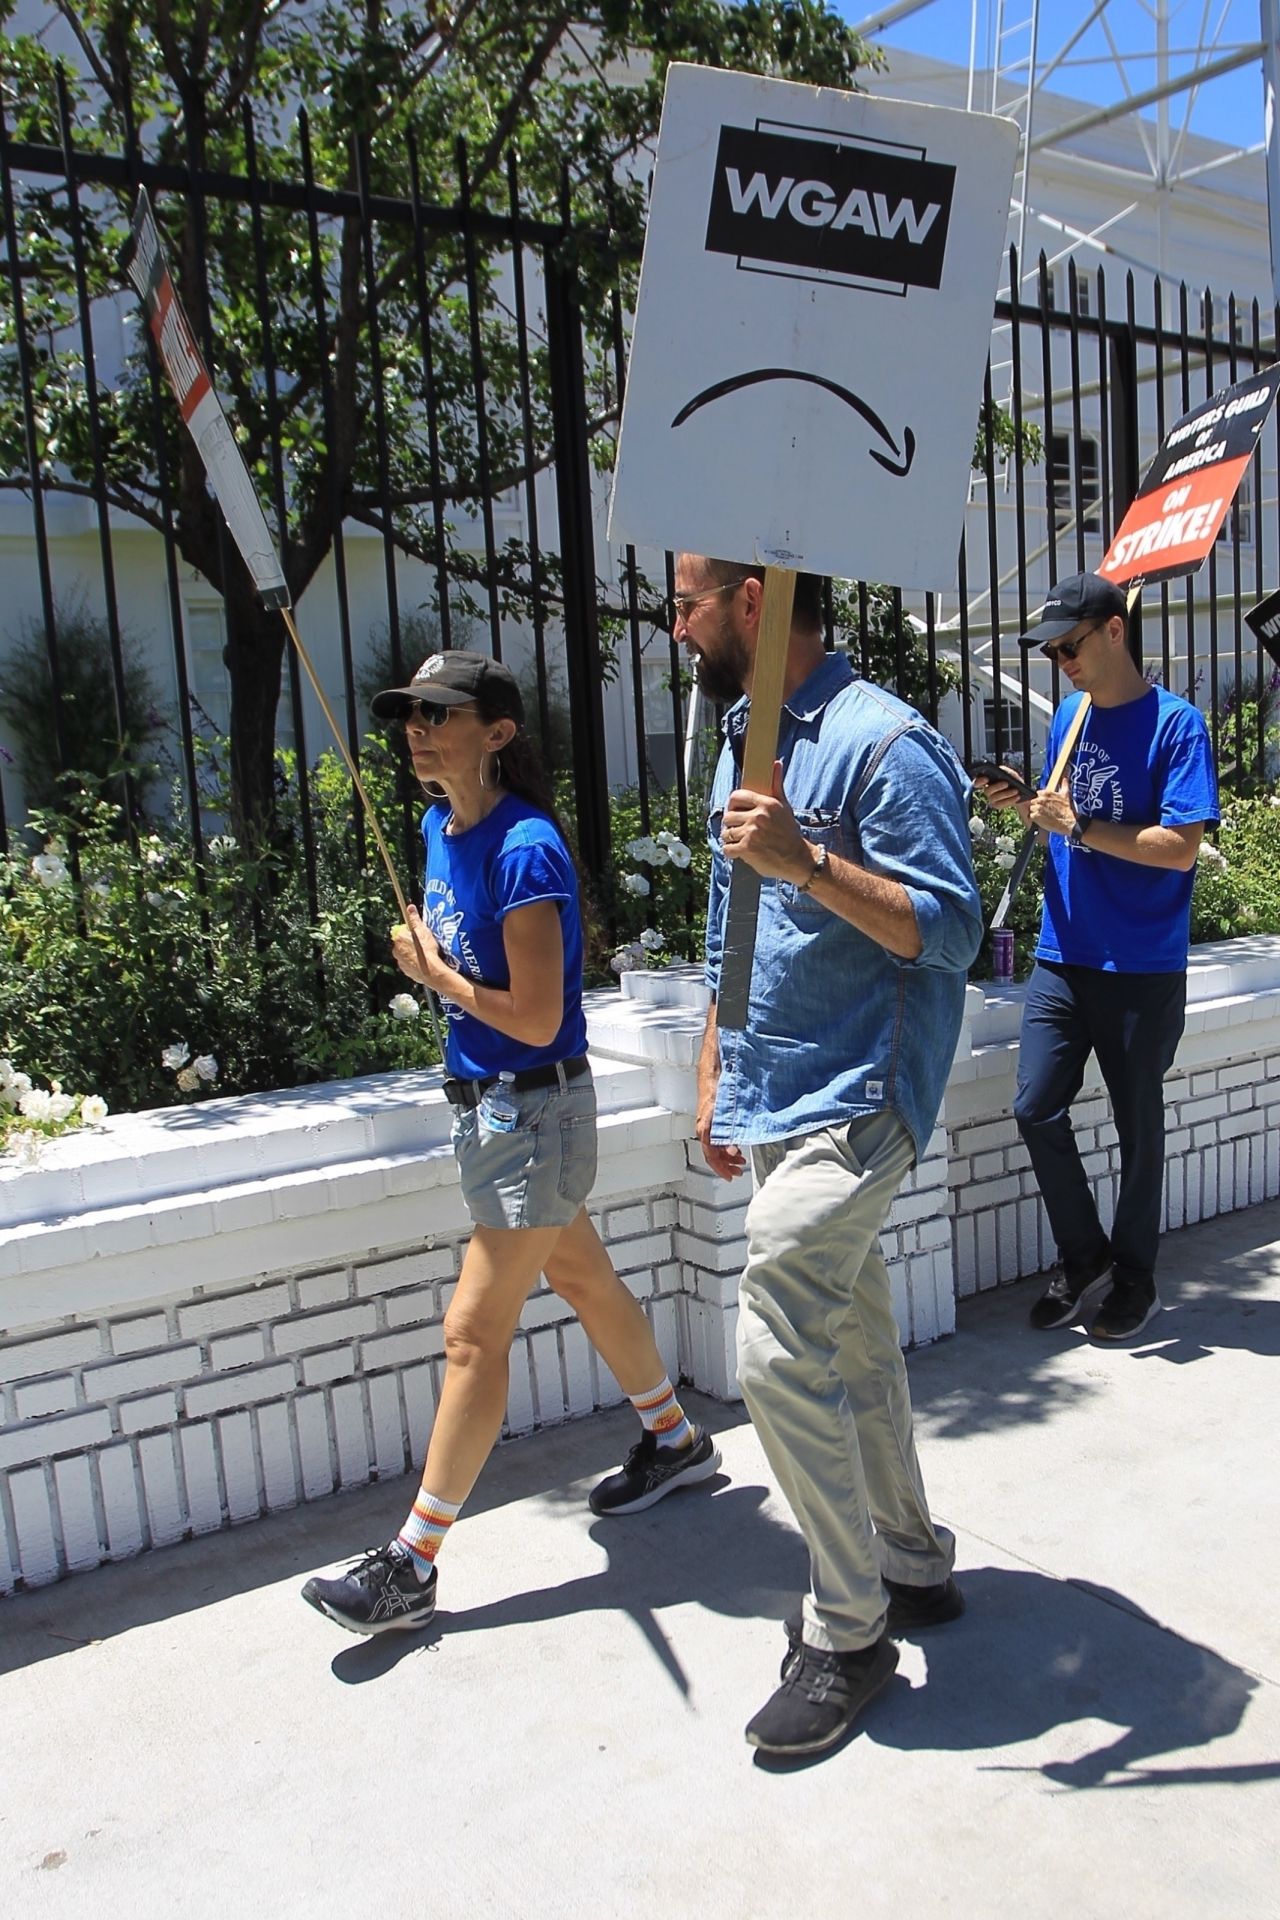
point(1081, 596)
point(450, 680)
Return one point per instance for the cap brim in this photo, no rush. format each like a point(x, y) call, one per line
point(395, 702)
point(1047, 630)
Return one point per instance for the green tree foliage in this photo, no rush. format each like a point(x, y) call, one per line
point(573, 91)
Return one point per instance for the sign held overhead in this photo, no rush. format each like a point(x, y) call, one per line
point(812, 327)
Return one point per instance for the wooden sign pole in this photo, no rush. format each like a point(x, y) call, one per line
point(758, 756)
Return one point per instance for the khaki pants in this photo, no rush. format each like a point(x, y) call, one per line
point(823, 1376)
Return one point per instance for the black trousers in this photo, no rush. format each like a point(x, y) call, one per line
point(1133, 1022)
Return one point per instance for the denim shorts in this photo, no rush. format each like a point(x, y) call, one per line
point(539, 1174)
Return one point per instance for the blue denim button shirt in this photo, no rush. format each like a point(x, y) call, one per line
point(838, 1026)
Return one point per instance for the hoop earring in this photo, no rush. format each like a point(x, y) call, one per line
point(490, 786)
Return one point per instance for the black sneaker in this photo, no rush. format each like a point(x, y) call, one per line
point(1125, 1311)
point(650, 1472)
point(821, 1697)
point(379, 1594)
point(1064, 1300)
point(910, 1610)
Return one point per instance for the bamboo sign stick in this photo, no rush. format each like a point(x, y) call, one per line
point(758, 756)
point(144, 262)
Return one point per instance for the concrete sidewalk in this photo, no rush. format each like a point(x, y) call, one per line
point(1099, 1736)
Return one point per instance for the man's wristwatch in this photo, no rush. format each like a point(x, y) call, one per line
point(1076, 836)
point(819, 866)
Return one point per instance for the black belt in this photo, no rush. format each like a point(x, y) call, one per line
point(469, 1093)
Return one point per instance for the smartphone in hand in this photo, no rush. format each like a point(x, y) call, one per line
point(992, 772)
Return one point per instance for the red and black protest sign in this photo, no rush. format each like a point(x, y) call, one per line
point(1264, 623)
point(1183, 500)
point(143, 260)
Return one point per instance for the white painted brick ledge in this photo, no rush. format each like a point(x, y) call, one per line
point(211, 1312)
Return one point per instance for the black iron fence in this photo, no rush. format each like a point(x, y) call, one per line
point(427, 394)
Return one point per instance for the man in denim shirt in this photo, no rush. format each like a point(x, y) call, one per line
point(869, 918)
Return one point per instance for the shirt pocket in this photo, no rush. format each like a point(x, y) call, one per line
point(821, 827)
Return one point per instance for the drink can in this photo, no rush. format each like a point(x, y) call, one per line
point(1002, 954)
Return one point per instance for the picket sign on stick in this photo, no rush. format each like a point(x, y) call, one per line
point(760, 751)
point(811, 331)
point(143, 261)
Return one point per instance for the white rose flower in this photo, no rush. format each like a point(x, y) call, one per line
point(50, 870)
point(1006, 861)
point(222, 846)
point(20, 1084)
point(404, 1007)
point(635, 883)
point(36, 1105)
point(93, 1110)
point(175, 1056)
point(188, 1080)
point(153, 852)
point(977, 826)
point(1211, 856)
point(206, 1065)
point(25, 1148)
point(652, 941)
point(678, 854)
point(100, 887)
point(6, 1072)
point(665, 837)
point(1005, 845)
point(628, 958)
point(642, 849)
point(62, 1105)
point(155, 899)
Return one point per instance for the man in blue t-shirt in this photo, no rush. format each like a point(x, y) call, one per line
point(1111, 963)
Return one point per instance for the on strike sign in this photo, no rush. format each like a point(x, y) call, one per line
point(1183, 500)
point(812, 328)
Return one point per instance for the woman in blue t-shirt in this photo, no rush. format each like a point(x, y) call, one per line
point(499, 941)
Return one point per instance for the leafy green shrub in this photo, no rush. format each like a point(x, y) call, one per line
point(94, 747)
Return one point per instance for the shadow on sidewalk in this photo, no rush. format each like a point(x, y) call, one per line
point(721, 1553)
point(1033, 1653)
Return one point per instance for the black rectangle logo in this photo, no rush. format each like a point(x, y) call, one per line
point(823, 207)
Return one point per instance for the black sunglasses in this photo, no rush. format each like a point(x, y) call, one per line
point(1066, 649)
point(432, 713)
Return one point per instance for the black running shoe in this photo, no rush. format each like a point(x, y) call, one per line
point(1064, 1300)
point(650, 1472)
point(820, 1698)
point(911, 1609)
point(379, 1594)
point(1125, 1311)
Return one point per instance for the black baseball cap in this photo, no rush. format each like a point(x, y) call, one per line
point(450, 680)
point(1081, 596)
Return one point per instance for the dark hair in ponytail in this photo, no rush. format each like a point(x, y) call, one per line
point(522, 774)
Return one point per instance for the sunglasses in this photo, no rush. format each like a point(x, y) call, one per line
point(686, 603)
point(432, 713)
point(1065, 649)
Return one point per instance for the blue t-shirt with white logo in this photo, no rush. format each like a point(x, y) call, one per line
point(1147, 763)
point(512, 858)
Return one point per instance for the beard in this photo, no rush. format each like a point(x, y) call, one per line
point(721, 672)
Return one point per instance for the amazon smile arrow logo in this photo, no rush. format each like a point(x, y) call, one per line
point(895, 462)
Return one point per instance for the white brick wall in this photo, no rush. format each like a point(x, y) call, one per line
point(303, 1350)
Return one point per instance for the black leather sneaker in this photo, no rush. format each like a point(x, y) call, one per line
point(379, 1594)
point(1064, 1300)
point(650, 1472)
point(1125, 1311)
point(821, 1696)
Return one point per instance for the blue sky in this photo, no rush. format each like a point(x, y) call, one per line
point(1228, 109)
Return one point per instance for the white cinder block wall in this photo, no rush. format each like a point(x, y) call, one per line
point(214, 1312)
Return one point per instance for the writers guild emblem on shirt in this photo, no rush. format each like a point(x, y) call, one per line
point(814, 206)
